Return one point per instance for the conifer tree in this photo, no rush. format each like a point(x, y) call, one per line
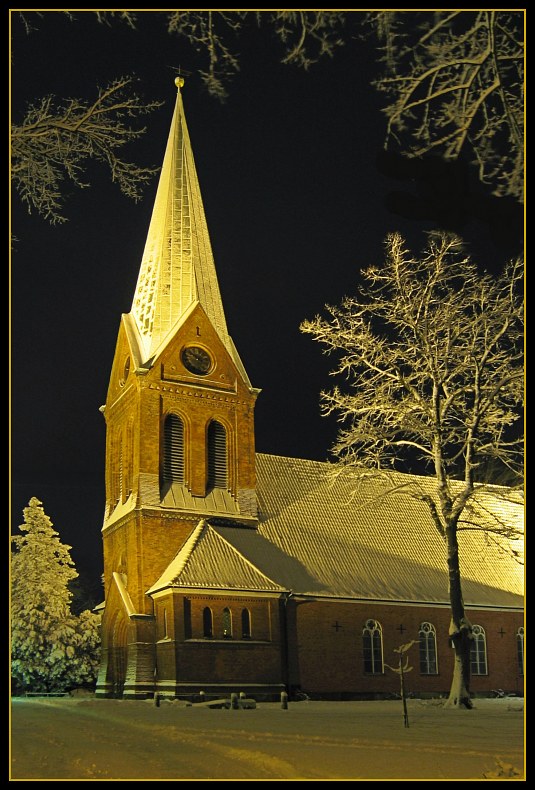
point(52, 649)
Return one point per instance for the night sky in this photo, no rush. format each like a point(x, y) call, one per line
point(298, 197)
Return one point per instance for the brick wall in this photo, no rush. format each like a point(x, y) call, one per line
point(141, 547)
point(330, 648)
point(218, 660)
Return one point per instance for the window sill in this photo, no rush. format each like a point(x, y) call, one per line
point(223, 641)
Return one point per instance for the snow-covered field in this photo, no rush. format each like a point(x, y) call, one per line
point(77, 738)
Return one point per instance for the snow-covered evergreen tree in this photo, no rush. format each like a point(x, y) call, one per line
point(51, 648)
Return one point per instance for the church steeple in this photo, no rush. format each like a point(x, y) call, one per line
point(179, 411)
point(179, 429)
point(177, 269)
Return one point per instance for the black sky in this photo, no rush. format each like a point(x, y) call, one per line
point(297, 197)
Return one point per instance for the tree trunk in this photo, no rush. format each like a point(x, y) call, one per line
point(460, 685)
point(460, 628)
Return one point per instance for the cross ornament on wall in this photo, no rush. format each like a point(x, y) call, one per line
point(337, 626)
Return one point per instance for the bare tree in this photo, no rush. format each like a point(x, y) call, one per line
point(433, 353)
point(454, 81)
point(57, 139)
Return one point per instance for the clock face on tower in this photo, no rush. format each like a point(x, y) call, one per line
point(196, 360)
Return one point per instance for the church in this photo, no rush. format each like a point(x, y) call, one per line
point(229, 570)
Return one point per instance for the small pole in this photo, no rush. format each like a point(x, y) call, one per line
point(284, 700)
point(234, 701)
point(156, 699)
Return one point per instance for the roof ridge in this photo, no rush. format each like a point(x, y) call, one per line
point(293, 458)
point(246, 560)
point(492, 488)
point(181, 557)
point(188, 547)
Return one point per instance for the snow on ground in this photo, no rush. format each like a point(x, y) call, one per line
point(94, 739)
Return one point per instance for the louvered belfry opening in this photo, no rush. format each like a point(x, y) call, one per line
point(173, 457)
point(217, 456)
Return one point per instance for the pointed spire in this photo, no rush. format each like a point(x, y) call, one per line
point(177, 269)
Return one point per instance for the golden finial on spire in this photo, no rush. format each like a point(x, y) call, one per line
point(179, 82)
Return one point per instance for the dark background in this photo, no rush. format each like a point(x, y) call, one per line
point(299, 197)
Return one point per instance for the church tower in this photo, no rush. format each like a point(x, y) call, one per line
point(179, 424)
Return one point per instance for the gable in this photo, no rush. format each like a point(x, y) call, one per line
point(125, 362)
point(209, 561)
point(225, 372)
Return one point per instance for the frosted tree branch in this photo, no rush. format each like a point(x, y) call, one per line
point(57, 139)
point(455, 87)
point(432, 354)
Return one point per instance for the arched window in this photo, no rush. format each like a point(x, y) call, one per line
point(207, 623)
point(227, 623)
point(427, 637)
point(173, 450)
point(246, 624)
point(520, 649)
point(120, 475)
point(165, 634)
point(116, 471)
point(129, 458)
point(125, 461)
point(478, 651)
point(372, 645)
point(217, 456)
point(187, 619)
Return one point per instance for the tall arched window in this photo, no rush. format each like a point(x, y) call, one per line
point(115, 476)
point(207, 623)
point(227, 623)
point(173, 450)
point(120, 468)
point(187, 619)
point(520, 649)
point(164, 624)
point(427, 637)
point(478, 651)
point(246, 624)
point(125, 462)
point(129, 459)
point(372, 646)
point(217, 456)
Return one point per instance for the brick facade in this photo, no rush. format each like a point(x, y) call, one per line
point(157, 643)
point(329, 659)
point(140, 538)
point(159, 636)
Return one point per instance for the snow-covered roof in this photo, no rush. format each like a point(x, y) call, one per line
point(214, 503)
point(318, 535)
point(209, 560)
